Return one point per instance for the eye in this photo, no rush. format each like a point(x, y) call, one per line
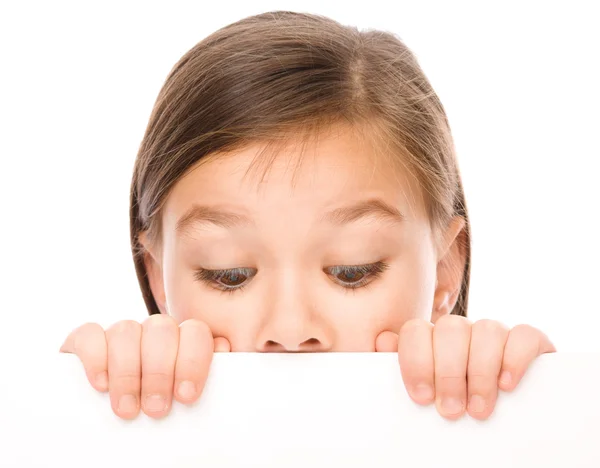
point(350, 276)
point(226, 280)
point(232, 279)
point(356, 276)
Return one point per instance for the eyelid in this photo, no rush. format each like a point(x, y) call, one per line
point(246, 271)
point(211, 277)
point(364, 268)
point(370, 271)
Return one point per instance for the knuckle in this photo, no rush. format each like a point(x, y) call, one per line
point(125, 327)
point(524, 340)
point(482, 384)
point(489, 327)
point(190, 364)
point(197, 325)
point(163, 321)
point(158, 377)
point(81, 338)
point(524, 330)
point(450, 384)
point(453, 322)
point(450, 380)
point(125, 379)
point(90, 327)
point(412, 325)
point(487, 324)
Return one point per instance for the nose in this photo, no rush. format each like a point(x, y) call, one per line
point(292, 324)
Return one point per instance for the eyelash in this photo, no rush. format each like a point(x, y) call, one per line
point(370, 271)
point(211, 277)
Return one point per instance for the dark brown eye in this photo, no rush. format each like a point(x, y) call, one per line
point(355, 276)
point(350, 276)
point(232, 279)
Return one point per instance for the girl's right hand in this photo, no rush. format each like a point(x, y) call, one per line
point(145, 365)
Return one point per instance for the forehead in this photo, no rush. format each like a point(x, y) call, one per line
point(333, 167)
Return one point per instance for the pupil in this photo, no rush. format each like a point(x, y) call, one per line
point(234, 279)
point(350, 276)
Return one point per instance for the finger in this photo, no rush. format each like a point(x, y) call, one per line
point(488, 339)
point(124, 369)
point(88, 342)
point(222, 345)
point(415, 356)
point(451, 340)
point(196, 347)
point(523, 345)
point(386, 342)
point(160, 340)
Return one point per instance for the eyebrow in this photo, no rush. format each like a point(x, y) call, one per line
point(218, 217)
point(338, 216)
point(363, 209)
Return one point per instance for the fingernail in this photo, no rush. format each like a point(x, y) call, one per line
point(102, 380)
point(155, 403)
point(186, 390)
point(506, 378)
point(127, 404)
point(451, 405)
point(477, 404)
point(422, 392)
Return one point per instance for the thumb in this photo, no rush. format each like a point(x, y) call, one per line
point(222, 345)
point(386, 342)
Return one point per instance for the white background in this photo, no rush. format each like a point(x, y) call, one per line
point(519, 81)
point(303, 410)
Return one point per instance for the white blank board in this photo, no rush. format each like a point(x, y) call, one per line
point(318, 410)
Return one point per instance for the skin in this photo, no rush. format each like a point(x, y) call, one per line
point(295, 297)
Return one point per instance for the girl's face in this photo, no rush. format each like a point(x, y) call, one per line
point(323, 256)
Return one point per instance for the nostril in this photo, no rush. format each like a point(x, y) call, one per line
point(271, 345)
point(311, 342)
point(308, 345)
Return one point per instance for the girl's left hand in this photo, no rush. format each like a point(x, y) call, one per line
point(462, 365)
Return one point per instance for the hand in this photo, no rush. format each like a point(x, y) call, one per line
point(455, 362)
point(146, 363)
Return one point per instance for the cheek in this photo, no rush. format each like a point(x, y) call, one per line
point(188, 299)
point(182, 294)
point(360, 317)
point(403, 295)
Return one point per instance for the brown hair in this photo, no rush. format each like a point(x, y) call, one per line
point(284, 73)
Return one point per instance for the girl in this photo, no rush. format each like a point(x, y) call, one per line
point(297, 190)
